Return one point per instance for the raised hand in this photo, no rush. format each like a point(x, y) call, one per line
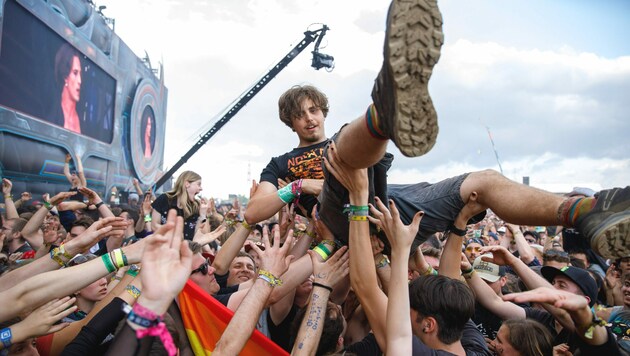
point(166, 263)
point(331, 271)
point(6, 187)
point(43, 320)
point(204, 238)
point(274, 258)
point(558, 298)
point(61, 197)
point(400, 236)
point(100, 229)
point(93, 197)
point(500, 255)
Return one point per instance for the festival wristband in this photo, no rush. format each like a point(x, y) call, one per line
point(286, 193)
point(5, 337)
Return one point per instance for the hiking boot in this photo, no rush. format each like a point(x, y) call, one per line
point(608, 224)
point(400, 94)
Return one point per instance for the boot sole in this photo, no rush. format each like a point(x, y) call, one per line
point(412, 44)
point(612, 239)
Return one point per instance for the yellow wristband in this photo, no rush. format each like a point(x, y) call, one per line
point(320, 252)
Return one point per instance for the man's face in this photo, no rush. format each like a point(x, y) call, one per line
point(625, 290)
point(74, 79)
point(241, 270)
point(206, 281)
point(497, 285)
point(624, 264)
point(7, 228)
point(472, 251)
point(566, 284)
point(309, 126)
point(582, 257)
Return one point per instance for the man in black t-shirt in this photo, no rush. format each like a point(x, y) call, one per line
point(298, 177)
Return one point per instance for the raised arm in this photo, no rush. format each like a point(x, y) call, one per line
point(9, 205)
point(274, 262)
point(524, 250)
point(266, 201)
point(136, 185)
point(94, 198)
point(80, 173)
point(588, 328)
point(398, 331)
point(485, 296)
point(66, 168)
point(39, 289)
point(327, 274)
point(362, 272)
point(31, 231)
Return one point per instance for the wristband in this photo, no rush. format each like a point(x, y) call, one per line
point(98, 205)
point(468, 274)
point(107, 260)
point(269, 278)
point(133, 291)
point(153, 324)
point(246, 225)
point(595, 322)
point(148, 218)
point(48, 205)
point(8, 197)
point(5, 337)
point(323, 246)
point(133, 270)
point(315, 284)
point(286, 193)
point(454, 230)
point(116, 278)
point(429, 271)
point(383, 262)
point(320, 252)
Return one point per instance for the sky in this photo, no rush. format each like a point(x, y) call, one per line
point(550, 81)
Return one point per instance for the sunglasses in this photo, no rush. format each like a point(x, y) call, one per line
point(473, 248)
point(203, 268)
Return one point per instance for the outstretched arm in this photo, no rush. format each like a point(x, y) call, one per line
point(590, 330)
point(66, 168)
point(80, 173)
point(327, 274)
point(398, 331)
point(266, 201)
point(362, 272)
point(274, 262)
point(9, 205)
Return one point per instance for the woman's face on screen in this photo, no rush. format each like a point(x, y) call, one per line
point(73, 80)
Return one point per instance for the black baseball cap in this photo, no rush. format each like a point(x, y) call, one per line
point(579, 276)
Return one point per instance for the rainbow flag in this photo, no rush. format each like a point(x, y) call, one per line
point(205, 319)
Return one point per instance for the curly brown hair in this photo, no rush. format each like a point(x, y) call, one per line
point(290, 103)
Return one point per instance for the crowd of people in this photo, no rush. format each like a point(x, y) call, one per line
point(326, 257)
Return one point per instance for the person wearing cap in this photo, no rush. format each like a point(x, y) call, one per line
point(566, 294)
point(494, 277)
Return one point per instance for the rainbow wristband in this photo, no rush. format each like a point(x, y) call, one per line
point(133, 291)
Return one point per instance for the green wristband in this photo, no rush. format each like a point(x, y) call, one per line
point(286, 194)
point(108, 263)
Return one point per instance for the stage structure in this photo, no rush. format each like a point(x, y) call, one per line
point(69, 84)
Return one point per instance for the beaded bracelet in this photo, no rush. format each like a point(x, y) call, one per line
point(269, 278)
point(5, 337)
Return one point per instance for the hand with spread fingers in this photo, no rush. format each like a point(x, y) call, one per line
point(98, 230)
point(333, 270)
point(166, 264)
point(274, 258)
point(400, 236)
point(61, 197)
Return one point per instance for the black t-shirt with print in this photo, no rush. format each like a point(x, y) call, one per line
point(300, 163)
point(162, 205)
